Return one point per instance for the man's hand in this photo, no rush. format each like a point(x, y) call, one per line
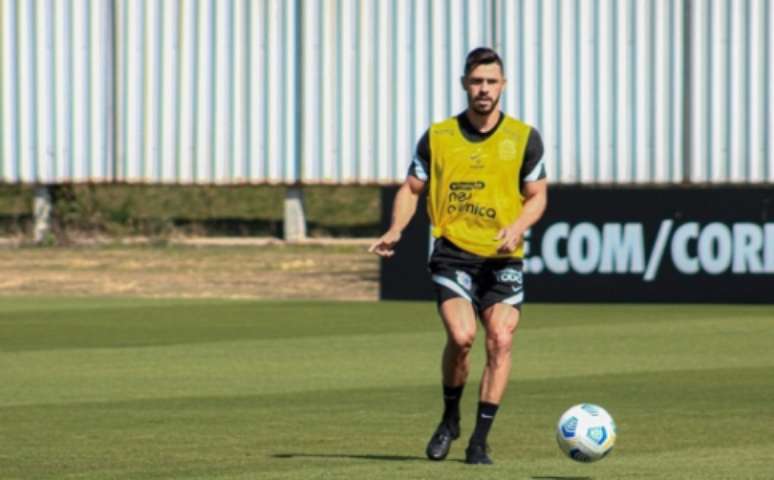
point(384, 246)
point(510, 238)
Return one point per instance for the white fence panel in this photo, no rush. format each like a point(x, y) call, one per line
point(55, 91)
point(339, 91)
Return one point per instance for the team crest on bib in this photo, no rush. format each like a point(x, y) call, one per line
point(464, 280)
point(507, 150)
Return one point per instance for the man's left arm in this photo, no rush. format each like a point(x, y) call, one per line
point(534, 189)
point(536, 198)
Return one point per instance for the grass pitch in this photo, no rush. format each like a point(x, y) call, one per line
point(198, 389)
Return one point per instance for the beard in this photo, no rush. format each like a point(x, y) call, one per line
point(483, 110)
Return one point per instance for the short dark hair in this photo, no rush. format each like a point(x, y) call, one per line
point(481, 56)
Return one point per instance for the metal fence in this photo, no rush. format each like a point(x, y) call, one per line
point(338, 91)
point(207, 91)
point(56, 93)
point(603, 81)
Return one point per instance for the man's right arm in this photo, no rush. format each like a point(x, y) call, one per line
point(403, 209)
point(405, 204)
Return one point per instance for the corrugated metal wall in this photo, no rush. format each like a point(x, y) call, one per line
point(207, 91)
point(732, 91)
point(375, 75)
point(55, 91)
point(338, 91)
point(602, 81)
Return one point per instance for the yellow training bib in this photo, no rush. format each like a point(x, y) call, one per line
point(474, 186)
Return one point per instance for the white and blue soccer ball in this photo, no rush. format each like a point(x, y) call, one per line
point(586, 432)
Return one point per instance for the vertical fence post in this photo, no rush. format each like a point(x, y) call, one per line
point(41, 207)
point(294, 218)
point(295, 221)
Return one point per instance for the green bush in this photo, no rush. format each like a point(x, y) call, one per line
point(126, 210)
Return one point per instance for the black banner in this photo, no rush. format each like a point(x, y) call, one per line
point(678, 244)
point(404, 276)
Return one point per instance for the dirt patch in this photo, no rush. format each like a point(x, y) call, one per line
point(260, 272)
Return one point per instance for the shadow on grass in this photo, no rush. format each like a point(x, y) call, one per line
point(393, 458)
point(402, 458)
point(558, 477)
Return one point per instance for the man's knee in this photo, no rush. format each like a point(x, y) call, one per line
point(462, 342)
point(499, 342)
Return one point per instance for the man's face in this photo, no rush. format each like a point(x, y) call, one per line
point(483, 86)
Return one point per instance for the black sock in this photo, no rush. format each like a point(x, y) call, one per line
point(484, 419)
point(451, 402)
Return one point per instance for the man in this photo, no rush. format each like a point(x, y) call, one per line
point(487, 187)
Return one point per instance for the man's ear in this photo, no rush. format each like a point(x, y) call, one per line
point(462, 82)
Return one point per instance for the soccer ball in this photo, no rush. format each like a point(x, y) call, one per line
point(586, 432)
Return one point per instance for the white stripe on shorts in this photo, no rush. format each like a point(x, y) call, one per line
point(514, 300)
point(452, 286)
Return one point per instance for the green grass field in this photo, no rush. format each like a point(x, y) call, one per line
point(150, 389)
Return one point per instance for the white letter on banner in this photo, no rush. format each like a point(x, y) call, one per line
point(748, 243)
point(550, 247)
point(768, 248)
point(584, 262)
point(683, 262)
point(719, 235)
point(622, 252)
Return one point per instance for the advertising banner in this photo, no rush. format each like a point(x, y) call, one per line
point(639, 244)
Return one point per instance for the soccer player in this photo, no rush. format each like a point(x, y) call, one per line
point(486, 185)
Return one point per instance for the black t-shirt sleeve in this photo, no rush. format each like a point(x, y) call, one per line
point(420, 165)
point(533, 168)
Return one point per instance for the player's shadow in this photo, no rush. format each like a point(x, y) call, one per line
point(558, 477)
point(393, 458)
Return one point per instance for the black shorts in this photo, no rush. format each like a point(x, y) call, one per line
point(482, 281)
